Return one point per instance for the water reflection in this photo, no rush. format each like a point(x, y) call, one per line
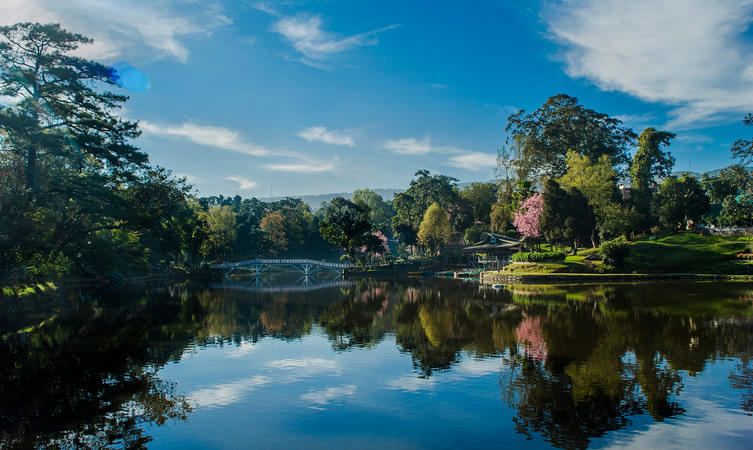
point(571, 363)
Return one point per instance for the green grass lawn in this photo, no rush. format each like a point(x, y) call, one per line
point(687, 252)
point(663, 253)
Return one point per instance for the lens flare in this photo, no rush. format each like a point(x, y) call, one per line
point(129, 77)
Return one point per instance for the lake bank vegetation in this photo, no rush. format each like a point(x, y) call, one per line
point(79, 199)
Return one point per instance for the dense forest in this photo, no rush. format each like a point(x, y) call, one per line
point(78, 197)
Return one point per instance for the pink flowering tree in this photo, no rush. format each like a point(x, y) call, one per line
point(528, 219)
point(530, 334)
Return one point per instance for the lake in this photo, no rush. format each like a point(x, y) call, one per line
point(379, 364)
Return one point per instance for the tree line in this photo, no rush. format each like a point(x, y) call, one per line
point(78, 197)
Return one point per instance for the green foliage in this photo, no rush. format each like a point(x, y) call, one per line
point(539, 257)
point(473, 233)
point(410, 205)
point(681, 200)
point(435, 230)
point(503, 212)
point(380, 212)
point(346, 225)
point(649, 164)
point(221, 222)
point(75, 194)
point(732, 191)
point(562, 124)
point(597, 182)
point(614, 252)
point(478, 199)
point(567, 217)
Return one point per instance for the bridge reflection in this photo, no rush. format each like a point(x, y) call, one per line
point(259, 284)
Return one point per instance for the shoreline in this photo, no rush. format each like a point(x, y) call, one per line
point(555, 278)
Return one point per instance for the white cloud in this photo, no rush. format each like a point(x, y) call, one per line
point(136, 29)
point(227, 139)
point(461, 158)
point(306, 35)
point(227, 393)
point(304, 365)
point(409, 146)
point(326, 396)
point(475, 367)
point(244, 184)
point(687, 53)
point(242, 350)
point(308, 166)
point(719, 424)
point(211, 136)
point(411, 383)
point(474, 161)
point(322, 134)
point(265, 7)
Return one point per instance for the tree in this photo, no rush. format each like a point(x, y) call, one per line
point(222, 233)
point(435, 230)
point(60, 114)
point(273, 226)
point(597, 182)
point(410, 205)
point(562, 124)
point(681, 200)
point(742, 149)
point(75, 194)
point(480, 198)
point(380, 212)
point(732, 190)
point(649, 164)
point(528, 219)
point(566, 217)
point(346, 225)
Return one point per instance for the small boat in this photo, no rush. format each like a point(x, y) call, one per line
point(498, 286)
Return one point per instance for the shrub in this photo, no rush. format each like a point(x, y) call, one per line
point(539, 257)
point(614, 252)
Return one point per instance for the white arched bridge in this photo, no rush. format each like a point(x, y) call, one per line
point(258, 266)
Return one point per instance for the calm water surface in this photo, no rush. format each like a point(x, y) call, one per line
point(371, 364)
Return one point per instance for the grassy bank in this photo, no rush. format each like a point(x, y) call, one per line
point(677, 254)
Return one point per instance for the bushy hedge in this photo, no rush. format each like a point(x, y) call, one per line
point(614, 252)
point(538, 257)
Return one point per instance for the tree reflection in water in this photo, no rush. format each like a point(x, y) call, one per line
point(577, 362)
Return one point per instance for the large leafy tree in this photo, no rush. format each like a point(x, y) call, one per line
point(435, 230)
point(563, 124)
point(650, 163)
point(73, 185)
point(222, 232)
point(732, 192)
point(380, 212)
point(597, 181)
point(346, 224)
point(476, 201)
point(566, 217)
point(681, 200)
point(60, 114)
point(423, 191)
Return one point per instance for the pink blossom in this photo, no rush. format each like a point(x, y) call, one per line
point(527, 220)
point(530, 335)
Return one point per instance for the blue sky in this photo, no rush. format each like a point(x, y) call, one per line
point(306, 97)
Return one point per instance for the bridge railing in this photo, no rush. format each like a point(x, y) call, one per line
point(282, 262)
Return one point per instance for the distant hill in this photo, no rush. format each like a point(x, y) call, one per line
point(316, 200)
